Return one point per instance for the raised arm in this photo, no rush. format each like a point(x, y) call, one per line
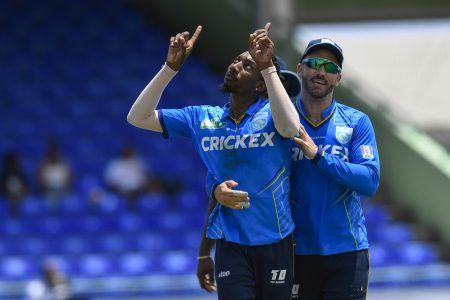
point(283, 111)
point(143, 113)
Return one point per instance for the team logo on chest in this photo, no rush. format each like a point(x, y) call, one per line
point(212, 124)
point(260, 121)
point(343, 134)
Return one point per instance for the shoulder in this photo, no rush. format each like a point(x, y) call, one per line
point(200, 110)
point(263, 107)
point(349, 115)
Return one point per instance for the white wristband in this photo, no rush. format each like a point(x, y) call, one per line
point(268, 71)
point(168, 71)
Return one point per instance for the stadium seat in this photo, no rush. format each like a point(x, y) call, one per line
point(382, 256)
point(17, 268)
point(178, 262)
point(132, 264)
point(417, 253)
point(93, 265)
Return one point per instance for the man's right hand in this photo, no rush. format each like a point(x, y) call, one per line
point(230, 198)
point(205, 274)
point(180, 48)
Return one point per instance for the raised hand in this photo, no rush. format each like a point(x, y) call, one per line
point(180, 48)
point(261, 47)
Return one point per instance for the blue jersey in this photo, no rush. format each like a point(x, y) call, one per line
point(325, 193)
point(253, 154)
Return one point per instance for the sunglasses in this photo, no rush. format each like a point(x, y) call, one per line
point(316, 62)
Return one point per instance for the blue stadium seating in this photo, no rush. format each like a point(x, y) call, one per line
point(70, 70)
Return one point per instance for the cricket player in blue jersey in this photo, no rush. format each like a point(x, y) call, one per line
point(246, 140)
point(205, 267)
point(335, 160)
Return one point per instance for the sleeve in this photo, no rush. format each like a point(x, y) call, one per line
point(178, 122)
point(211, 184)
point(362, 172)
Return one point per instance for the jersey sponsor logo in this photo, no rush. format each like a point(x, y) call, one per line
point(255, 140)
point(338, 151)
point(278, 276)
point(212, 124)
point(260, 121)
point(344, 134)
point(367, 151)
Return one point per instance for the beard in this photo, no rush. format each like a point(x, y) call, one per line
point(315, 93)
point(226, 88)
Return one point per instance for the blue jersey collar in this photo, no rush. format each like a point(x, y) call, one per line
point(326, 113)
point(250, 111)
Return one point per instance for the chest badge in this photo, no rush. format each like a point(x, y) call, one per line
point(212, 124)
point(344, 134)
point(260, 121)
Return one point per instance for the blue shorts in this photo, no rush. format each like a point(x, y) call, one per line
point(254, 272)
point(339, 276)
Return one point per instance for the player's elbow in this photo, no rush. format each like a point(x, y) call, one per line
point(372, 188)
point(289, 130)
point(131, 119)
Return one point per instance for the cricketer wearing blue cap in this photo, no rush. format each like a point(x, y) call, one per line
point(335, 160)
point(246, 140)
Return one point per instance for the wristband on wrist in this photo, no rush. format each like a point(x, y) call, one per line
point(268, 71)
point(169, 71)
point(213, 188)
point(316, 158)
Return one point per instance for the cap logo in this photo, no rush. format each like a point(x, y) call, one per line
point(327, 41)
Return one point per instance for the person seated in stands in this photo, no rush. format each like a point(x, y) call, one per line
point(14, 184)
point(54, 174)
point(129, 176)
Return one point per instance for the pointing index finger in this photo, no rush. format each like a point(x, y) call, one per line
point(266, 28)
point(196, 34)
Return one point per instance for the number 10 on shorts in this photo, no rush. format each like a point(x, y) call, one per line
point(278, 276)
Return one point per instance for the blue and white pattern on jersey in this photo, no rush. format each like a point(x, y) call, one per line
point(325, 198)
point(251, 153)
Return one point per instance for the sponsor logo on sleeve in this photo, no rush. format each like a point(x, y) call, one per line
point(367, 151)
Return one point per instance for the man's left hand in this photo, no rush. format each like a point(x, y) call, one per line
point(305, 142)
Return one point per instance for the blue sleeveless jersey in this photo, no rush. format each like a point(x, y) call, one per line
point(325, 193)
point(251, 153)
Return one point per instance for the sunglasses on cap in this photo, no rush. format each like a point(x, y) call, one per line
point(316, 62)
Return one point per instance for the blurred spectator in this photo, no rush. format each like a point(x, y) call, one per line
point(56, 283)
point(54, 175)
point(53, 285)
point(128, 175)
point(14, 185)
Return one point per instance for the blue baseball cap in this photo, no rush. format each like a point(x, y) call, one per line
point(290, 79)
point(325, 43)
